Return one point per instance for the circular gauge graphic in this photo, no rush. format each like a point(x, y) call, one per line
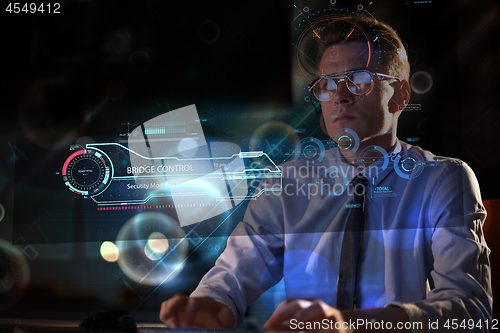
point(369, 156)
point(310, 35)
point(333, 181)
point(310, 151)
point(409, 164)
point(87, 172)
point(347, 142)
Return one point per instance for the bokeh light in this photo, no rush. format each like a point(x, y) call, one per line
point(187, 147)
point(109, 251)
point(2, 212)
point(208, 31)
point(139, 62)
point(84, 140)
point(15, 275)
point(421, 82)
point(116, 89)
point(157, 246)
point(152, 248)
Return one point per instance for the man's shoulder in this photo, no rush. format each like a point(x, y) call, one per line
point(439, 163)
point(427, 155)
point(296, 169)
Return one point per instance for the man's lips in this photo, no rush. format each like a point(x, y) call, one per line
point(344, 117)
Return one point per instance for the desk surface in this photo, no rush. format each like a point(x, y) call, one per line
point(66, 326)
point(71, 326)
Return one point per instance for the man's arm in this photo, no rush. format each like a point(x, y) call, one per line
point(251, 263)
point(461, 277)
point(461, 280)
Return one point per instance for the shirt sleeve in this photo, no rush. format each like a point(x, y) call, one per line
point(460, 298)
point(253, 259)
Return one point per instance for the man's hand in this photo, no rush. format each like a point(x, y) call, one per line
point(315, 311)
point(302, 310)
point(196, 312)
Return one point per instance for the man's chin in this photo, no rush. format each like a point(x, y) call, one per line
point(335, 130)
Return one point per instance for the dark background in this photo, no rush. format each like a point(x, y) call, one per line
point(100, 65)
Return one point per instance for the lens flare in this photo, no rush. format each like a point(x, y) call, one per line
point(109, 251)
point(152, 247)
point(157, 246)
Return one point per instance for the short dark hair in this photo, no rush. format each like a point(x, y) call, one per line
point(385, 44)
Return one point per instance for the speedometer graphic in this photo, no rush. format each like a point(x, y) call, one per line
point(87, 172)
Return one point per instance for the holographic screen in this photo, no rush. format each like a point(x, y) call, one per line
point(168, 157)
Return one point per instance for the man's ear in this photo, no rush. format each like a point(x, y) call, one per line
point(401, 95)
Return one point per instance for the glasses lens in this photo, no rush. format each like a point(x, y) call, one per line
point(325, 89)
point(359, 83)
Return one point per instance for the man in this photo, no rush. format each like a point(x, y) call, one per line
point(420, 260)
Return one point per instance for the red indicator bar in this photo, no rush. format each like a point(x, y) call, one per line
point(65, 166)
point(125, 207)
point(349, 34)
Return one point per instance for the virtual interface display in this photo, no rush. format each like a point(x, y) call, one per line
point(134, 140)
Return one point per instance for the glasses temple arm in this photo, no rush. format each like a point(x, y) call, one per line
point(384, 76)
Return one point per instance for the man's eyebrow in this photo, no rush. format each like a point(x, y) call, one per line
point(347, 71)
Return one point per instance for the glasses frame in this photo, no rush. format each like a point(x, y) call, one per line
point(337, 78)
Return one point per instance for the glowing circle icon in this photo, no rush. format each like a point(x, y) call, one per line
point(409, 164)
point(371, 155)
point(310, 151)
point(333, 53)
point(87, 172)
point(347, 142)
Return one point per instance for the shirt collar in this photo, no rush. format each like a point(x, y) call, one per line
point(375, 173)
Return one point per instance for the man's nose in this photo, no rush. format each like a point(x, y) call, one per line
point(343, 95)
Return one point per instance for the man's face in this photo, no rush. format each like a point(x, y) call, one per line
point(369, 115)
